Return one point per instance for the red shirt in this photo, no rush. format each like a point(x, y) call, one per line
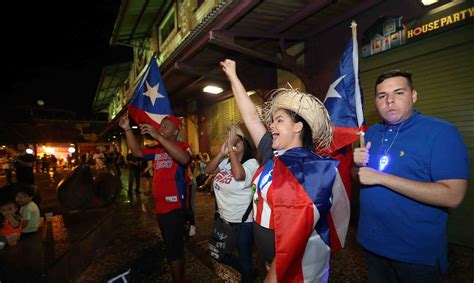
point(170, 181)
point(8, 229)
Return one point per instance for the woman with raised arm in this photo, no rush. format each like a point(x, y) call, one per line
point(293, 186)
point(234, 167)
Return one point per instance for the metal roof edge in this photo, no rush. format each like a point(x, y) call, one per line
point(210, 17)
point(118, 21)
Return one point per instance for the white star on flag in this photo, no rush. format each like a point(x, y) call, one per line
point(332, 92)
point(152, 92)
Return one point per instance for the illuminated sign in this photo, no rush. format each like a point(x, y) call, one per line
point(390, 32)
point(441, 22)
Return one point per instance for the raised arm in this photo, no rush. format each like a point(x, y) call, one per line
point(177, 153)
point(212, 167)
point(132, 140)
point(246, 107)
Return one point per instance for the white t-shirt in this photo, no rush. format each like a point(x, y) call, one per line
point(31, 213)
point(99, 159)
point(233, 197)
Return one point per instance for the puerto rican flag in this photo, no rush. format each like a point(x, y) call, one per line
point(150, 103)
point(301, 190)
point(344, 102)
point(302, 200)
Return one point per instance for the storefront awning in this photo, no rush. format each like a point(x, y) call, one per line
point(111, 80)
point(136, 19)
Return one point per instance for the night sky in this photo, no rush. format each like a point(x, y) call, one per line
point(56, 51)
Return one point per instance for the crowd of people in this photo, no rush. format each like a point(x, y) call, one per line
point(269, 181)
point(104, 160)
point(19, 163)
point(23, 164)
point(407, 182)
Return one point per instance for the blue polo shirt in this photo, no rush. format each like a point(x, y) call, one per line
point(422, 149)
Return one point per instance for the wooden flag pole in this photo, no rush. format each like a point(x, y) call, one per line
point(355, 51)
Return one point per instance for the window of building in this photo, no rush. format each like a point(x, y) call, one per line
point(199, 3)
point(168, 25)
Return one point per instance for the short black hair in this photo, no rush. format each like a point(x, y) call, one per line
point(395, 73)
point(248, 151)
point(26, 189)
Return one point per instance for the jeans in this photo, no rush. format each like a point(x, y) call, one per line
point(244, 262)
point(192, 203)
point(133, 177)
point(382, 269)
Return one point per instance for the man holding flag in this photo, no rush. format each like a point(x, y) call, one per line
point(412, 169)
point(150, 108)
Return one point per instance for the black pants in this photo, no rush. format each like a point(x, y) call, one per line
point(386, 270)
point(133, 176)
point(172, 230)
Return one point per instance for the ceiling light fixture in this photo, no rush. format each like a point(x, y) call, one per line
point(212, 89)
point(428, 2)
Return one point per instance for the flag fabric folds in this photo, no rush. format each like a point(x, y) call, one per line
point(344, 102)
point(300, 208)
point(150, 103)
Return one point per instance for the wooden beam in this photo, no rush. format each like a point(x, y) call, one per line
point(287, 62)
point(224, 41)
point(187, 86)
point(301, 15)
point(365, 5)
point(197, 71)
point(231, 15)
point(260, 35)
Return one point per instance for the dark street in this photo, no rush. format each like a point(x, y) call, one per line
point(132, 243)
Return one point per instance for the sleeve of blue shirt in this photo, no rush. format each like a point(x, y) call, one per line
point(449, 158)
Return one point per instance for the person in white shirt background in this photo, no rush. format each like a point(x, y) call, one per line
point(235, 166)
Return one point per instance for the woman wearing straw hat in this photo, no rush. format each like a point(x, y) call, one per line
point(234, 166)
point(293, 187)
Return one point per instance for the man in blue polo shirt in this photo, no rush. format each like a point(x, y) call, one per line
point(412, 169)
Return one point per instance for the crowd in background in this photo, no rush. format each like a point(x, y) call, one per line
point(282, 200)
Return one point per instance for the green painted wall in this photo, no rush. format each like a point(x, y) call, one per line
point(443, 75)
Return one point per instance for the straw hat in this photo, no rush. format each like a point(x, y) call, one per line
point(308, 107)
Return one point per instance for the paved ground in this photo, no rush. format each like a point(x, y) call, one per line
point(136, 246)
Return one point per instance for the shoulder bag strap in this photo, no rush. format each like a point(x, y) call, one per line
point(247, 212)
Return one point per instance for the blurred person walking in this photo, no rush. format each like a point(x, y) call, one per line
point(133, 164)
point(24, 166)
